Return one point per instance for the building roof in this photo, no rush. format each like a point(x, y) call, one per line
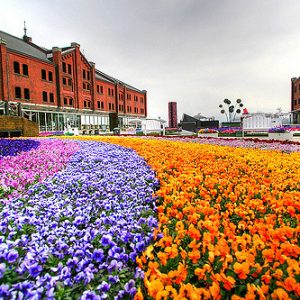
point(19, 45)
point(28, 48)
point(102, 76)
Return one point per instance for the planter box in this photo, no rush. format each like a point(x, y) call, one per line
point(213, 134)
point(281, 136)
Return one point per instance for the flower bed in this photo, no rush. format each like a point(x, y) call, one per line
point(13, 147)
point(229, 221)
point(77, 234)
point(207, 132)
point(284, 146)
point(50, 133)
point(26, 162)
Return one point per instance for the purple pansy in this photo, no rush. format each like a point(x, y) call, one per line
point(82, 226)
point(12, 256)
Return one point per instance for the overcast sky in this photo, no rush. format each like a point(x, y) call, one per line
point(194, 52)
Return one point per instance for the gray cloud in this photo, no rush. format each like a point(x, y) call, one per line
point(194, 52)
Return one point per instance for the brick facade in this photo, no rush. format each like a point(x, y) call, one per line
point(295, 99)
point(62, 80)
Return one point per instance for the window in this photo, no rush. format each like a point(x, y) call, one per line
point(298, 101)
point(101, 89)
point(45, 97)
point(89, 103)
point(70, 82)
point(83, 74)
point(112, 92)
point(64, 81)
point(25, 70)
point(102, 104)
point(16, 67)
point(84, 104)
point(88, 75)
point(142, 100)
point(88, 86)
point(109, 106)
point(64, 67)
point(98, 104)
point(65, 101)
point(108, 91)
point(50, 76)
point(142, 111)
point(113, 106)
point(18, 92)
point(71, 101)
point(69, 69)
point(44, 74)
point(26, 94)
point(51, 97)
point(295, 102)
point(98, 89)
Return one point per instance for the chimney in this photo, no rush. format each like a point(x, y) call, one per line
point(27, 39)
point(75, 45)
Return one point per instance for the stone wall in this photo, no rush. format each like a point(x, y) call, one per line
point(12, 126)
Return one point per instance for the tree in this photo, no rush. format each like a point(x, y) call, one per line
point(231, 110)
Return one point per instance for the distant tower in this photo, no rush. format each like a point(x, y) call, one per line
point(172, 107)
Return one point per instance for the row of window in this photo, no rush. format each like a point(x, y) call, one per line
point(67, 81)
point(18, 93)
point(110, 92)
point(99, 89)
point(129, 98)
point(86, 74)
point(86, 86)
point(44, 75)
point(17, 68)
point(46, 98)
point(70, 102)
point(67, 68)
point(100, 104)
point(129, 109)
point(87, 104)
point(26, 94)
point(295, 102)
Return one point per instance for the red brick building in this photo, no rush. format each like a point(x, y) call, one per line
point(295, 99)
point(60, 88)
